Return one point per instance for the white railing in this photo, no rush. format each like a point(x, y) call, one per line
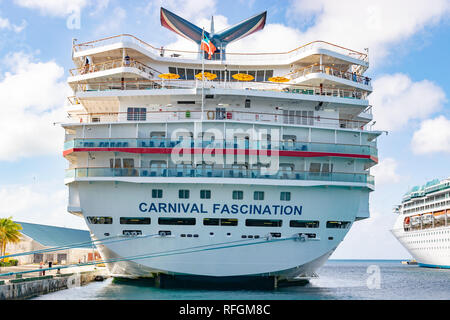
point(264, 57)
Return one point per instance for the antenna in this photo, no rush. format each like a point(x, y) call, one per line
point(212, 26)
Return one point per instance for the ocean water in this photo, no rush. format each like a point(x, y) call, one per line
point(338, 280)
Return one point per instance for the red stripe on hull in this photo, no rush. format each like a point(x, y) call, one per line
point(281, 153)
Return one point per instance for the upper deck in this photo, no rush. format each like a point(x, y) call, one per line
point(102, 48)
point(317, 65)
point(320, 79)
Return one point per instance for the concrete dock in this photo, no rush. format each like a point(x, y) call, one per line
point(33, 284)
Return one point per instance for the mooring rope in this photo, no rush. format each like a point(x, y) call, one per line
point(158, 254)
point(77, 245)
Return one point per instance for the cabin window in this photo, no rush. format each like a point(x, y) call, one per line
point(128, 163)
point(269, 74)
point(157, 193)
point(260, 75)
point(183, 194)
point(304, 224)
point(258, 195)
point(172, 70)
point(263, 223)
point(182, 73)
point(126, 220)
point(177, 221)
point(190, 74)
point(338, 224)
point(132, 233)
point(115, 163)
point(136, 114)
point(314, 167)
point(205, 194)
point(238, 195)
point(100, 220)
point(285, 196)
point(220, 222)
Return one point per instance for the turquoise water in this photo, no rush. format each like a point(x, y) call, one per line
point(338, 280)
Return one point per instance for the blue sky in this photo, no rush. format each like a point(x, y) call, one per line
point(408, 43)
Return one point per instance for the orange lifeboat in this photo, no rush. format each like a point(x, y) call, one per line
point(406, 221)
point(439, 215)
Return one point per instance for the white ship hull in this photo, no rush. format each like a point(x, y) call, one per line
point(430, 247)
point(218, 251)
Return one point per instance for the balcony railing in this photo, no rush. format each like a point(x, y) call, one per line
point(265, 57)
point(166, 115)
point(87, 86)
point(112, 64)
point(219, 173)
point(221, 144)
point(316, 68)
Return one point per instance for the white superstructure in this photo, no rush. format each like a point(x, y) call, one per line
point(219, 177)
point(423, 223)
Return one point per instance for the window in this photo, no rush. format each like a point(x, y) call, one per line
point(285, 196)
point(303, 224)
point(136, 114)
point(269, 74)
point(260, 75)
point(183, 194)
point(132, 232)
point(182, 73)
point(205, 194)
point(128, 163)
point(238, 195)
point(157, 193)
point(314, 167)
point(338, 224)
point(263, 223)
point(177, 221)
point(100, 220)
point(126, 220)
point(258, 195)
point(190, 74)
point(115, 163)
point(220, 222)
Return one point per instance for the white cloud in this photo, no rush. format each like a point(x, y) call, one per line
point(386, 172)
point(187, 9)
point(113, 22)
point(377, 25)
point(101, 5)
point(33, 95)
point(432, 136)
point(38, 203)
point(7, 25)
point(397, 99)
point(58, 8)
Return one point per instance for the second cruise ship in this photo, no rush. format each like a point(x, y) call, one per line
point(423, 223)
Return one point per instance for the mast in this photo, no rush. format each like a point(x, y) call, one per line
point(203, 75)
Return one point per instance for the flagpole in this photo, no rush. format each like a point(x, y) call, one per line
point(203, 74)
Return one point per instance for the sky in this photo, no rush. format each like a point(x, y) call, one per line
point(408, 42)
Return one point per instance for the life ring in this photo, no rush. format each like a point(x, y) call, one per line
point(210, 115)
point(407, 220)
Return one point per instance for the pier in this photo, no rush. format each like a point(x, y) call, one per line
point(25, 287)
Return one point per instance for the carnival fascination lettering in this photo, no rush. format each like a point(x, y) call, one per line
point(218, 208)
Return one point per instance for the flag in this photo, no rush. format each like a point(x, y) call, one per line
point(208, 46)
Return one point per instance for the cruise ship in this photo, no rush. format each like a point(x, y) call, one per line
point(423, 223)
point(216, 164)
